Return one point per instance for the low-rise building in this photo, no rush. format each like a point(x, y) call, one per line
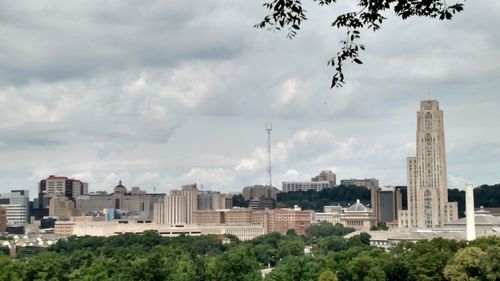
point(3, 219)
point(359, 217)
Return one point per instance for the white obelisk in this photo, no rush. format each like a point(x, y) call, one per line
point(469, 212)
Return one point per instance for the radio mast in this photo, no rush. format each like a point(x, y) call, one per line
point(269, 128)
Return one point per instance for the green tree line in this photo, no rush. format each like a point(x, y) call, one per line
point(149, 256)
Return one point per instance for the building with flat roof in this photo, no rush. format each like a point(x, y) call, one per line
point(16, 204)
point(260, 191)
point(297, 219)
point(136, 202)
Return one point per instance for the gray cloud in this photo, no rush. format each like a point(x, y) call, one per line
point(160, 94)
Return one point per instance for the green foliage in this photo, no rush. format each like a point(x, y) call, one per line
point(326, 229)
point(289, 15)
point(327, 275)
point(290, 246)
point(329, 244)
point(239, 201)
point(379, 226)
point(468, 264)
point(316, 200)
point(10, 271)
point(150, 257)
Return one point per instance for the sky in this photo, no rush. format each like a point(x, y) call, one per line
point(159, 94)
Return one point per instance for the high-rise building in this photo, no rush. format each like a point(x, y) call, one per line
point(428, 204)
point(191, 193)
point(175, 208)
point(389, 203)
point(260, 191)
point(54, 186)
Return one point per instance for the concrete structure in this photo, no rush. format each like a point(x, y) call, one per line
point(359, 217)
point(190, 192)
point(428, 204)
point(330, 214)
point(208, 217)
point(137, 203)
point(61, 207)
point(213, 200)
point(469, 212)
point(238, 216)
point(260, 191)
point(101, 228)
point(328, 176)
point(389, 203)
point(371, 184)
point(3, 219)
point(16, 204)
point(56, 186)
point(485, 224)
point(261, 203)
point(297, 219)
point(305, 185)
point(265, 218)
point(176, 208)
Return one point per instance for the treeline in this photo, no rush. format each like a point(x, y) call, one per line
point(150, 257)
point(487, 196)
point(316, 200)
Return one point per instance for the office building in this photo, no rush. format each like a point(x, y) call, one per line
point(61, 207)
point(204, 217)
point(328, 176)
point(297, 219)
point(57, 186)
point(190, 192)
point(175, 208)
point(428, 205)
point(213, 200)
point(16, 205)
point(326, 179)
point(260, 191)
point(135, 202)
point(389, 203)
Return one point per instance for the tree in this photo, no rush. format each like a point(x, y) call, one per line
point(289, 15)
point(290, 246)
point(329, 244)
point(327, 275)
point(9, 271)
point(468, 264)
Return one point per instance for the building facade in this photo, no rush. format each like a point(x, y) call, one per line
point(428, 204)
point(371, 184)
point(260, 191)
point(16, 205)
point(297, 219)
point(3, 219)
point(389, 204)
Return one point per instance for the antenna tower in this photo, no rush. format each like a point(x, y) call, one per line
point(269, 128)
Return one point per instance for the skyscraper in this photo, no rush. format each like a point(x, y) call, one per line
point(428, 204)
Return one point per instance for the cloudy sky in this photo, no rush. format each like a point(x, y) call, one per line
point(161, 93)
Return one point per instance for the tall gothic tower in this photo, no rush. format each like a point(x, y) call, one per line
point(428, 204)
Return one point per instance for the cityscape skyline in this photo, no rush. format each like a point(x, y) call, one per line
point(195, 111)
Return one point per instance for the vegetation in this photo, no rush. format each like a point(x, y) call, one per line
point(289, 15)
point(316, 200)
point(148, 256)
point(484, 195)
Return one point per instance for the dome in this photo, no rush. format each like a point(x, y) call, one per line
point(358, 207)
